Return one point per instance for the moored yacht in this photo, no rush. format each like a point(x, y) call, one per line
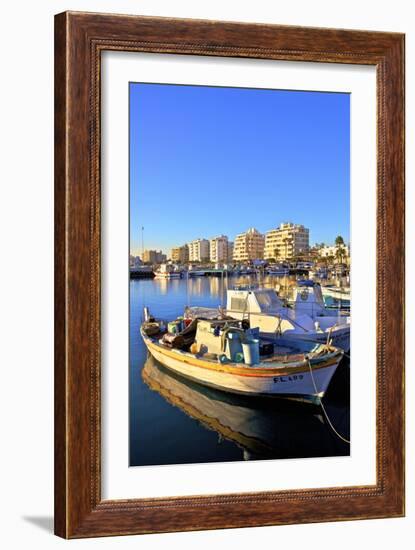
point(305, 318)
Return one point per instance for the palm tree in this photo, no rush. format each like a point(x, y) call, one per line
point(340, 248)
point(339, 254)
point(330, 258)
point(287, 241)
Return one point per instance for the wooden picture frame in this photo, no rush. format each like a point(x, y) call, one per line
point(79, 40)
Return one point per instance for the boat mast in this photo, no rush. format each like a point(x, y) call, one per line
point(145, 311)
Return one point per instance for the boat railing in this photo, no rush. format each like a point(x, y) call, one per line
point(313, 310)
point(225, 311)
point(246, 315)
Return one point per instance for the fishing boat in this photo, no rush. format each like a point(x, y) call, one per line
point(167, 271)
point(226, 354)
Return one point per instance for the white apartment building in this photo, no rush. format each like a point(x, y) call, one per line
point(249, 246)
point(219, 249)
point(199, 250)
point(286, 241)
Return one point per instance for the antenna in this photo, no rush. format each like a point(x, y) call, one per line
point(142, 243)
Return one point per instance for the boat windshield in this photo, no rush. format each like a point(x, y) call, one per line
point(267, 300)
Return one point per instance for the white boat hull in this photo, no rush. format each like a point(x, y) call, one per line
point(340, 338)
point(338, 294)
point(298, 384)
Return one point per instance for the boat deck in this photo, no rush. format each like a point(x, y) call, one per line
point(282, 354)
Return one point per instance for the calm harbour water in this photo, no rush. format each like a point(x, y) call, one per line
point(175, 421)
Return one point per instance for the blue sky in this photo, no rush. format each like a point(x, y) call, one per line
point(206, 161)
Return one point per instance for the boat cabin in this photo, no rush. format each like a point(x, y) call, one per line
point(261, 307)
point(243, 300)
point(308, 298)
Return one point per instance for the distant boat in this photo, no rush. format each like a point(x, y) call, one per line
point(224, 354)
point(278, 270)
point(194, 272)
point(141, 271)
point(167, 271)
point(338, 293)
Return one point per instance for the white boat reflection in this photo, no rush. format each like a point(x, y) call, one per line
point(263, 428)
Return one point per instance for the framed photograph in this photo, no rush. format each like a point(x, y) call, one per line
point(229, 275)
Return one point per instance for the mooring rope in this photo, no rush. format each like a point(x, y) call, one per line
point(323, 408)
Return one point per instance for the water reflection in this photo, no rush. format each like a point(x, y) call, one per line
point(263, 428)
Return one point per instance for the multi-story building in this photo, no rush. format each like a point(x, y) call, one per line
point(180, 254)
point(154, 257)
point(219, 249)
point(230, 251)
point(249, 246)
point(286, 242)
point(199, 250)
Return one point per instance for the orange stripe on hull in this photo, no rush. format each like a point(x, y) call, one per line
point(235, 368)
